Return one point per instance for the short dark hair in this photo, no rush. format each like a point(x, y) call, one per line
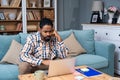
point(45, 21)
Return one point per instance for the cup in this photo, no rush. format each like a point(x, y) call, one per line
point(39, 75)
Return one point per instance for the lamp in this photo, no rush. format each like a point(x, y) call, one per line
point(97, 9)
point(97, 6)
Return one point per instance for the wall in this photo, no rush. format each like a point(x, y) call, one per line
point(73, 13)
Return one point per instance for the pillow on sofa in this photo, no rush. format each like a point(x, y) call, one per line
point(74, 46)
point(64, 34)
point(5, 41)
point(12, 55)
point(86, 38)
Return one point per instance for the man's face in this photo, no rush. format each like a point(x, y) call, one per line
point(46, 32)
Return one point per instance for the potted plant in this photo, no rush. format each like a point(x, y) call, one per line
point(111, 11)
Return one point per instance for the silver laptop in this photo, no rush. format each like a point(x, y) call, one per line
point(61, 67)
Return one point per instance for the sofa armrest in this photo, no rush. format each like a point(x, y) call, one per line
point(106, 50)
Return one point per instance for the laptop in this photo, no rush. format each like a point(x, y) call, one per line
point(61, 67)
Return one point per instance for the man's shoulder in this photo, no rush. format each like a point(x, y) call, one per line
point(34, 36)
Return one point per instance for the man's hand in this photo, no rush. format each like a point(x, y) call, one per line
point(57, 36)
point(44, 65)
point(46, 62)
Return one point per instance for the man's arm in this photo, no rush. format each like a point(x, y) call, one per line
point(26, 53)
point(61, 48)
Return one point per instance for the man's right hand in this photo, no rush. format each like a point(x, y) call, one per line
point(57, 36)
point(46, 62)
point(44, 65)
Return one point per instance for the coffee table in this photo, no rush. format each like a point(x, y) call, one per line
point(102, 76)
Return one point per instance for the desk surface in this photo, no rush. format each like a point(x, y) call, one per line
point(67, 77)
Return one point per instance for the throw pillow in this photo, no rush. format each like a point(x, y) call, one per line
point(74, 46)
point(12, 55)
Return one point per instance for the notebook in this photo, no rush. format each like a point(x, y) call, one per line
point(61, 67)
point(90, 72)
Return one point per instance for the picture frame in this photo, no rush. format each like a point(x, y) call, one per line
point(95, 18)
point(47, 3)
point(2, 16)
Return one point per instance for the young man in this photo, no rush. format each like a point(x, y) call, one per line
point(41, 47)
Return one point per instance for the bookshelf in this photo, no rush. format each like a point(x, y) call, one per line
point(24, 15)
point(9, 10)
point(36, 10)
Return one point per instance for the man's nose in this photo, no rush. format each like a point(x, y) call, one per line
point(48, 33)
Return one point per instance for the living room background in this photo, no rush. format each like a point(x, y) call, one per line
point(73, 13)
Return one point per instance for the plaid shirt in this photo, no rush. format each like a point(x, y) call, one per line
point(35, 50)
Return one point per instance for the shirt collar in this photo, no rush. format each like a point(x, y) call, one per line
point(39, 37)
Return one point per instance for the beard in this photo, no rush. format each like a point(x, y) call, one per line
point(48, 38)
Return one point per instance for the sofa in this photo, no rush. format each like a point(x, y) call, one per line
point(99, 54)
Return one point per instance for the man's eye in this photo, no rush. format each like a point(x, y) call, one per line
point(51, 31)
point(48, 31)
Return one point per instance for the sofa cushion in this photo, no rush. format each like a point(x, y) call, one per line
point(73, 45)
point(64, 34)
point(8, 72)
point(5, 41)
point(86, 39)
point(12, 55)
point(94, 61)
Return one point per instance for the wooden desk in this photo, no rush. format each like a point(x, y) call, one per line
point(68, 77)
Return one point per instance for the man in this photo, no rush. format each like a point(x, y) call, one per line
point(41, 47)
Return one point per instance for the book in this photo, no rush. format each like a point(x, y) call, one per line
point(15, 3)
point(31, 27)
point(34, 15)
point(19, 16)
point(31, 15)
point(38, 14)
point(89, 72)
point(49, 14)
point(18, 26)
point(12, 3)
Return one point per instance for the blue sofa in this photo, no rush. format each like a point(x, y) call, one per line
point(99, 55)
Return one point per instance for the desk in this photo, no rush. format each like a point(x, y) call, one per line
point(103, 76)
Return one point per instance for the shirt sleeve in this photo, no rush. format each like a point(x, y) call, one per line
point(62, 50)
point(26, 53)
